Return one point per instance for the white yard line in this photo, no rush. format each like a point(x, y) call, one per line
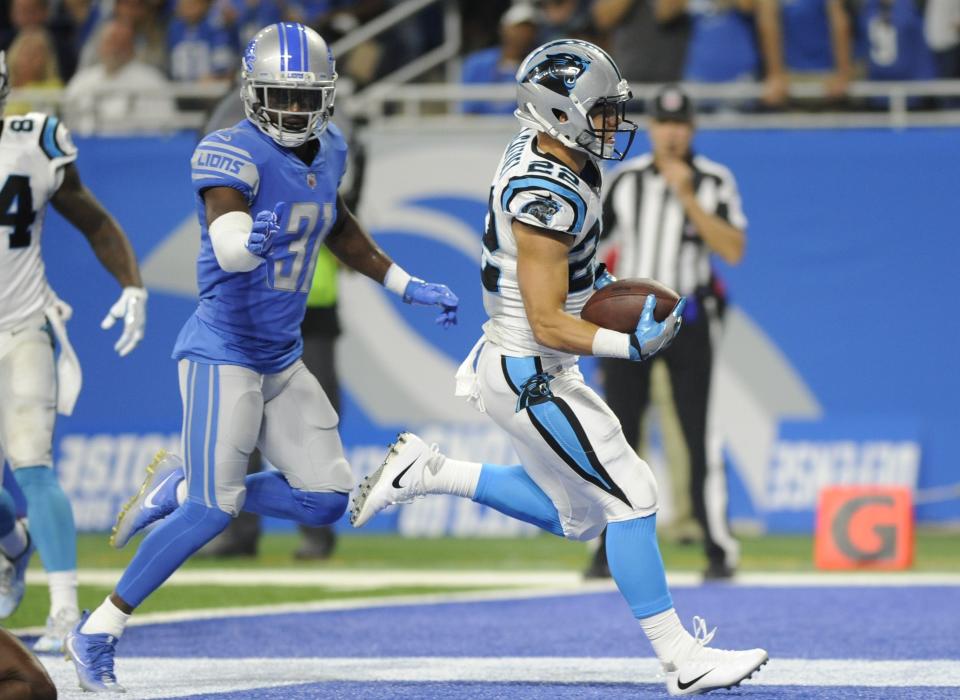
point(166, 677)
point(365, 579)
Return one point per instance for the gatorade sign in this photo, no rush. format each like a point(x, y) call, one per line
point(864, 528)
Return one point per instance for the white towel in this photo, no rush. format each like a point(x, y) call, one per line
point(69, 374)
point(467, 383)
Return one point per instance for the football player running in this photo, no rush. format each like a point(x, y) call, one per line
point(266, 195)
point(577, 472)
point(37, 166)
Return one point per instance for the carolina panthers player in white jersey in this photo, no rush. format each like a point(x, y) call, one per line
point(242, 381)
point(37, 166)
point(577, 472)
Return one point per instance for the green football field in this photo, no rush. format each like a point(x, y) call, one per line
point(935, 552)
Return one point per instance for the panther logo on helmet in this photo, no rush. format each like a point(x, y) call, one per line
point(558, 72)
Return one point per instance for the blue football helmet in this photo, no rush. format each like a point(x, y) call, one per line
point(288, 83)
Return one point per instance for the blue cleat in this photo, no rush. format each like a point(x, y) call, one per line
point(13, 575)
point(92, 657)
point(155, 500)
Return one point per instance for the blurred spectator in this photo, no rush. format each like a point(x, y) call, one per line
point(498, 64)
point(83, 16)
point(25, 14)
point(369, 60)
point(150, 35)
point(942, 31)
point(817, 43)
point(723, 43)
point(647, 38)
point(198, 49)
point(896, 48)
point(120, 94)
point(565, 19)
point(33, 64)
point(247, 17)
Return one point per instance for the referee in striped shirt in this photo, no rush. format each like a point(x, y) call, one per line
point(666, 213)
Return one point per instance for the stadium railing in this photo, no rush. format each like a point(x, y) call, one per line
point(880, 104)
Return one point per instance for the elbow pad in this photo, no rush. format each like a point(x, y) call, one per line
point(228, 235)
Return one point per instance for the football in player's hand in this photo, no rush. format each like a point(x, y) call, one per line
point(618, 305)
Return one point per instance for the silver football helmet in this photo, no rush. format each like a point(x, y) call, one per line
point(288, 83)
point(4, 81)
point(563, 85)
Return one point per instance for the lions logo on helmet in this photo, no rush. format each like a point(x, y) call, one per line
point(559, 72)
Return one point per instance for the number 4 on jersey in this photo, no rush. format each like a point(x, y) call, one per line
point(16, 209)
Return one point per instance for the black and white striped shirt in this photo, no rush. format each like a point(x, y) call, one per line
point(646, 223)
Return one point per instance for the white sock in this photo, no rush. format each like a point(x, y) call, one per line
point(453, 476)
point(13, 544)
point(63, 591)
point(182, 491)
point(106, 619)
point(670, 641)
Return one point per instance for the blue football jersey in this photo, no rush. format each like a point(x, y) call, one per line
point(253, 318)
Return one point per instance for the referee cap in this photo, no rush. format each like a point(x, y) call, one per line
point(672, 104)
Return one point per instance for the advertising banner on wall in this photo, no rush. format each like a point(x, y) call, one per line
point(832, 366)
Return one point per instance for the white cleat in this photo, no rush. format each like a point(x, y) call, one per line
point(398, 480)
point(705, 669)
point(58, 627)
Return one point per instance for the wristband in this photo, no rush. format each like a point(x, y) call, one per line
point(396, 279)
point(608, 343)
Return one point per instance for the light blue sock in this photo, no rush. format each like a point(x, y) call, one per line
point(8, 513)
point(170, 544)
point(510, 491)
point(51, 518)
point(269, 493)
point(635, 564)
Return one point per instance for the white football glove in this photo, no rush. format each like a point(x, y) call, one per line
point(132, 308)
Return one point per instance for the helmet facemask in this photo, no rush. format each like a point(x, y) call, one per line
point(289, 113)
point(601, 142)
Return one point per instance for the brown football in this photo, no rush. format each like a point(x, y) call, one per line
point(618, 305)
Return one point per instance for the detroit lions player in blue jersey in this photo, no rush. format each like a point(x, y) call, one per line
point(242, 381)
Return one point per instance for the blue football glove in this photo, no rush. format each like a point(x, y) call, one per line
point(602, 277)
point(427, 294)
point(652, 337)
point(266, 226)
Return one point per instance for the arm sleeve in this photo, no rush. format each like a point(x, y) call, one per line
point(544, 203)
point(217, 163)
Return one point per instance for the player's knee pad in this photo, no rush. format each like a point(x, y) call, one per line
point(320, 507)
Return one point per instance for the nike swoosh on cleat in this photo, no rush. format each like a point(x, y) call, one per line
point(73, 652)
point(396, 481)
point(683, 686)
point(148, 501)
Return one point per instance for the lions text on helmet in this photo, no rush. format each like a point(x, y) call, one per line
point(573, 91)
point(288, 83)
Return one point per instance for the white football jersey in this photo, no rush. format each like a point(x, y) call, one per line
point(33, 151)
point(535, 188)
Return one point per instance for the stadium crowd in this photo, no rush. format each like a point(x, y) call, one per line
point(127, 44)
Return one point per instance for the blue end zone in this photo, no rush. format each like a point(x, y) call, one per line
point(814, 623)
